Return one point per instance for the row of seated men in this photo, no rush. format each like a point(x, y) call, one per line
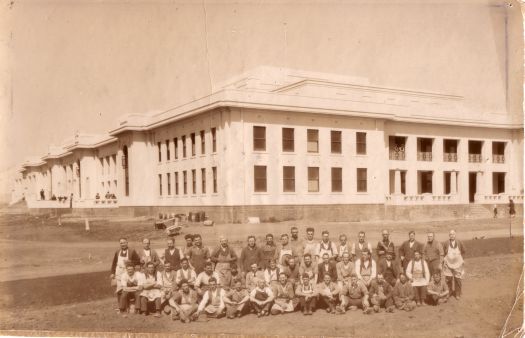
point(336, 286)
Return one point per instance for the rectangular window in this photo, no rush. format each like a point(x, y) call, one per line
point(259, 175)
point(167, 150)
point(183, 146)
point(214, 139)
point(361, 180)
point(259, 138)
point(176, 174)
point(176, 148)
point(360, 143)
point(288, 140)
point(313, 179)
point(185, 182)
point(203, 180)
point(214, 172)
point(159, 146)
point(203, 142)
point(160, 185)
point(335, 140)
point(337, 179)
point(288, 179)
point(168, 181)
point(312, 140)
point(192, 144)
point(193, 181)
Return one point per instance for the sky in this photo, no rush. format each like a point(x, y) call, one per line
point(71, 66)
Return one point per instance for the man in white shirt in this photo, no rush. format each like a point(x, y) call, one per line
point(262, 299)
point(365, 268)
point(203, 279)
point(186, 272)
point(129, 282)
point(326, 246)
point(419, 275)
point(212, 300)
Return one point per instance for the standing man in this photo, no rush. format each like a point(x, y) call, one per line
point(365, 268)
point(42, 195)
point(295, 242)
point(326, 246)
point(407, 249)
point(267, 252)
point(223, 256)
point(118, 266)
point(512, 209)
point(198, 254)
point(385, 245)
point(310, 246)
point(284, 253)
point(172, 254)
point(362, 244)
point(344, 247)
point(453, 264)
point(185, 273)
point(189, 244)
point(249, 255)
point(419, 276)
point(433, 254)
point(148, 255)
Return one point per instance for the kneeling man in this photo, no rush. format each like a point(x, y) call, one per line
point(328, 293)
point(212, 300)
point(354, 295)
point(437, 290)
point(261, 298)
point(236, 300)
point(184, 303)
point(381, 294)
point(404, 294)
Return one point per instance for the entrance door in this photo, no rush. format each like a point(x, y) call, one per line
point(472, 182)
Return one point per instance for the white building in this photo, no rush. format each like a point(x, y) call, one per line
point(288, 144)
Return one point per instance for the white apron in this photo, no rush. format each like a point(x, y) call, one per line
point(453, 263)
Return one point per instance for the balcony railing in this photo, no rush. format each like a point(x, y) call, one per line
point(397, 155)
point(498, 158)
point(424, 156)
point(450, 157)
point(474, 158)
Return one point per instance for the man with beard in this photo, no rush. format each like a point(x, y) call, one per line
point(249, 255)
point(148, 255)
point(184, 303)
point(186, 273)
point(433, 254)
point(284, 296)
point(291, 270)
point(361, 245)
point(223, 257)
point(389, 269)
point(407, 249)
point(198, 254)
point(172, 254)
point(118, 266)
point(381, 294)
point(308, 268)
point(385, 245)
point(328, 293)
point(267, 252)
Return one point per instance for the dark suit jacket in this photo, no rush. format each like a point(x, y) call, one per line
point(408, 253)
point(332, 271)
point(134, 257)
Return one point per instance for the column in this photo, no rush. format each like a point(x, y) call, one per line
point(397, 182)
point(453, 182)
point(479, 183)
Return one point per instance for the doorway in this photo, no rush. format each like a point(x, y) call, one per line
point(472, 182)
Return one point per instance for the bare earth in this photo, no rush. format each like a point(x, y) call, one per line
point(32, 247)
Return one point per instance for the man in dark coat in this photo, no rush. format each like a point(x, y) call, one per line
point(407, 249)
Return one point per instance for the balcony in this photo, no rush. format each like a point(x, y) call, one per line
point(474, 158)
point(450, 157)
point(397, 155)
point(498, 158)
point(424, 156)
point(421, 199)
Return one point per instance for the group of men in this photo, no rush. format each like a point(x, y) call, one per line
point(275, 279)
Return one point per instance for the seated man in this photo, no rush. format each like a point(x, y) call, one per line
point(308, 267)
point(252, 276)
point(236, 300)
point(381, 294)
point(203, 279)
point(271, 274)
point(184, 303)
point(236, 276)
point(365, 268)
point(345, 268)
point(389, 268)
point(404, 294)
point(354, 295)
point(261, 298)
point(168, 285)
point(307, 294)
point(328, 293)
point(284, 296)
point(291, 269)
point(186, 272)
point(129, 282)
point(212, 300)
point(327, 267)
point(437, 290)
point(151, 290)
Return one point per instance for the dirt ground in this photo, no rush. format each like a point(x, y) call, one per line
point(488, 296)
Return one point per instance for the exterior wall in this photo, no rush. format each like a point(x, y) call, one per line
point(102, 166)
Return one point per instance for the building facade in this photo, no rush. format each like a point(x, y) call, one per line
point(282, 144)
